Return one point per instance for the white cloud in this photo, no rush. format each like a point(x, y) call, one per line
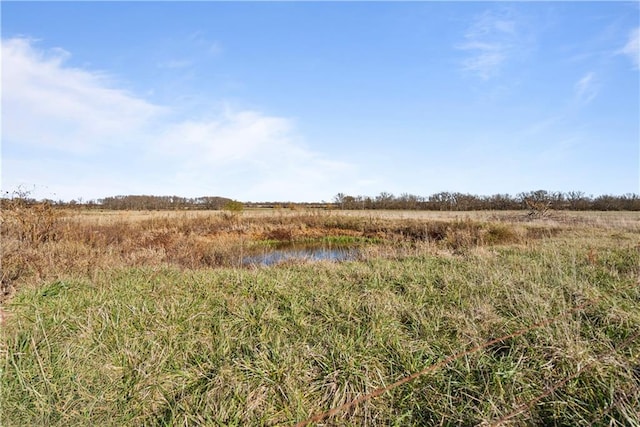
point(491, 40)
point(233, 136)
point(256, 155)
point(47, 104)
point(71, 131)
point(586, 88)
point(632, 48)
point(485, 63)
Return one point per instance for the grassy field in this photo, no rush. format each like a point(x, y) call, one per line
point(136, 318)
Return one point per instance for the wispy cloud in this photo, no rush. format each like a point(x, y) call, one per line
point(632, 48)
point(490, 41)
point(71, 130)
point(48, 104)
point(586, 88)
point(213, 47)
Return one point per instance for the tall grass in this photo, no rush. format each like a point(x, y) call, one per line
point(39, 243)
point(173, 341)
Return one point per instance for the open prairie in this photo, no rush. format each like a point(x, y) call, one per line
point(440, 318)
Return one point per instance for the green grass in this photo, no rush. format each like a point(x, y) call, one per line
point(272, 346)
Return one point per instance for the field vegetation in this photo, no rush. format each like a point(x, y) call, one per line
point(150, 318)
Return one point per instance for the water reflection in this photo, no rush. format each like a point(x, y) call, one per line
point(276, 256)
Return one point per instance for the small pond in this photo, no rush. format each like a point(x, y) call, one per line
point(303, 253)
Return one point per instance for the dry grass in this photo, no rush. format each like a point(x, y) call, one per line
point(41, 244)
point(146, 319)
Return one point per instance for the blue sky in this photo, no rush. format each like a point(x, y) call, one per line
point(299, 101)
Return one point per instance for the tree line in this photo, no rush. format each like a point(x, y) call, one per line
point(539, 200)
point(163, 202)
point(128, 202)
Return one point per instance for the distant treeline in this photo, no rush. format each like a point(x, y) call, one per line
point(534, 200)
point(130, 202)
point(163, 202)
point(539, 201)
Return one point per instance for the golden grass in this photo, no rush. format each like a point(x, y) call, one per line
point(40, 243)
point(146, 318)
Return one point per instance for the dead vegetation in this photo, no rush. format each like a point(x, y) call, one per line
point(174, 341)
point(42, 243)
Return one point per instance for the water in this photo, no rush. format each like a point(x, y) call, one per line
point(276, 256)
